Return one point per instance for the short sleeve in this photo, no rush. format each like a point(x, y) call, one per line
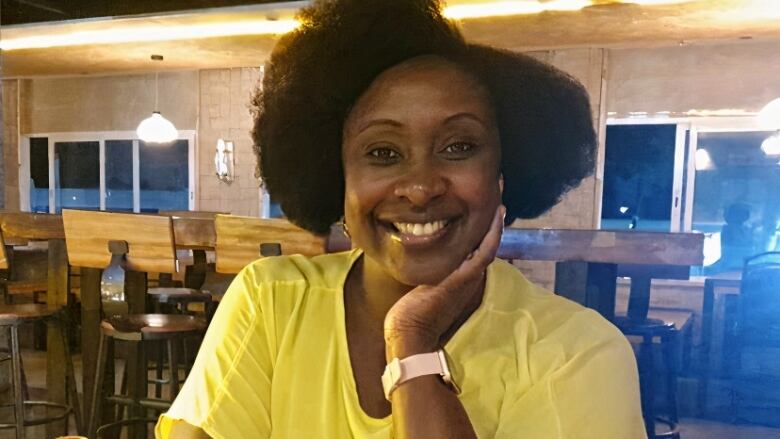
point(227, 394)
point(593, 395)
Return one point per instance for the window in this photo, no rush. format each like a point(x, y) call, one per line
point(705, 175)
point(106, 171)
point(735, 200)
point(639, 177)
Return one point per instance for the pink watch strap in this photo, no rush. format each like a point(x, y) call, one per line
point(398, 371)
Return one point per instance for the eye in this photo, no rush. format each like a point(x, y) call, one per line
point(459, 148)
point(384, 154)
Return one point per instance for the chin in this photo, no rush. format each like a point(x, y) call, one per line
point(424, 273)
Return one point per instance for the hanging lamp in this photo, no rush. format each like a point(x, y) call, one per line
point(156, 128)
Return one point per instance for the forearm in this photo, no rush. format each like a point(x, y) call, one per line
point(426, 407)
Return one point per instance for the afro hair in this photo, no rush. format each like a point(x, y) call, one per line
point(316, 73)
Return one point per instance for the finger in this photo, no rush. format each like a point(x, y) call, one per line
point(475, 264)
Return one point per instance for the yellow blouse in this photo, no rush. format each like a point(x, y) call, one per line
point(530, 364)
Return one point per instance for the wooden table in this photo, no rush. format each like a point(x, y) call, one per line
point(19, 229)
point(588, 262)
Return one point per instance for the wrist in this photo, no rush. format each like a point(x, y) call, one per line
point(397, 346)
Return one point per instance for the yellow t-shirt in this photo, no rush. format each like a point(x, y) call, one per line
point(530, 364)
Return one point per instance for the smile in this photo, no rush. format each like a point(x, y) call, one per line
point(420, 229)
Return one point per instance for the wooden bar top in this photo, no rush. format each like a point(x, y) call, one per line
point(599, 246)
point(603, 246)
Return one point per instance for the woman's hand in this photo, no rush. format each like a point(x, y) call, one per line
point(416, 323)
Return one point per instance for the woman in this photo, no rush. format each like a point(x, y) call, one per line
point(378, 113)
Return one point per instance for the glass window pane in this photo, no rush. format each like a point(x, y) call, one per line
point(77, 173)
point(638, 177)
point(735, 198)
point(119, 175)
point(39, 174)
point(164, 173)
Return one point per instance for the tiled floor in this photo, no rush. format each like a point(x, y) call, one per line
point(35, 368)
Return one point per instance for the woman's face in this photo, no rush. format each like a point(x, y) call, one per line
point(421, 157)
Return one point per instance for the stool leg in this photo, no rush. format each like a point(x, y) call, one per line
point(70, 377)
point(97, 394)
point(16, 364)
point(670, 346)
point(646, 384)
point(173, 362)
point(159, 369)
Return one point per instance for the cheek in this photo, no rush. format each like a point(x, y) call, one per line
point(362, 195)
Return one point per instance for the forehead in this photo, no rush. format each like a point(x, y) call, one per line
point(422, 84)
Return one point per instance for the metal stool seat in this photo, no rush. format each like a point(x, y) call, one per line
point(12, 316)
point(137, 328)
point(668, 333)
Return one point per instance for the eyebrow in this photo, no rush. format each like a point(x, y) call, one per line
point(375, 122)
point(397, 124)
point(465, 115)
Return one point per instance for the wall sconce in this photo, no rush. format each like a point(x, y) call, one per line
point(223, 161)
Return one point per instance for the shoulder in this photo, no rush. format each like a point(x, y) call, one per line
point(549, 318)
point(325, 271)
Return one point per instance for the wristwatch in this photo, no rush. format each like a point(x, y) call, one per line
point(398, 371)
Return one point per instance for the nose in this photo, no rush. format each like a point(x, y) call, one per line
point(421, 186)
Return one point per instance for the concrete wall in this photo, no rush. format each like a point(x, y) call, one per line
point(742, 76)
point(213, 102)
point(10, 165)
point(108, 103)
point(224, 113)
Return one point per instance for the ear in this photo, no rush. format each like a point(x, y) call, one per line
point(501, 183)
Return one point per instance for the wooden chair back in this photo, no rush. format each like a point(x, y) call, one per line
point(239, 240)
point(149, 238)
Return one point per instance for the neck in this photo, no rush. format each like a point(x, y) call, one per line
point(373, 290)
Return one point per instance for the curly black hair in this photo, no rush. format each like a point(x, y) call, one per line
point(317, 72)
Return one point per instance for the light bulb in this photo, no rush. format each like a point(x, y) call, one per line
point(157, 129)
point(771, 146)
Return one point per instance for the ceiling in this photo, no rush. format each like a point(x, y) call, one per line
point(36, 11)
point(604, 25)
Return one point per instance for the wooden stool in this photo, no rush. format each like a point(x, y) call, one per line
point(669, 335)
point(12, 316)
point(178, 299)
point(125, 248)
point(139, 328)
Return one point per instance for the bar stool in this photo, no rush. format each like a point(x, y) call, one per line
point(125, 247)
point(11, 317)
point(669, 335)
point(139, 328)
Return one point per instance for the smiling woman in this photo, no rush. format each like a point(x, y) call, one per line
point(378, 113)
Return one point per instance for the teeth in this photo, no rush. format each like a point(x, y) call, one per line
point(418, 229)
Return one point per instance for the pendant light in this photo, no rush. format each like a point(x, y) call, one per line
point(156, 128)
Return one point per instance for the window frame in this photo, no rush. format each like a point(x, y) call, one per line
point(101, 137)
point(682, 203)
